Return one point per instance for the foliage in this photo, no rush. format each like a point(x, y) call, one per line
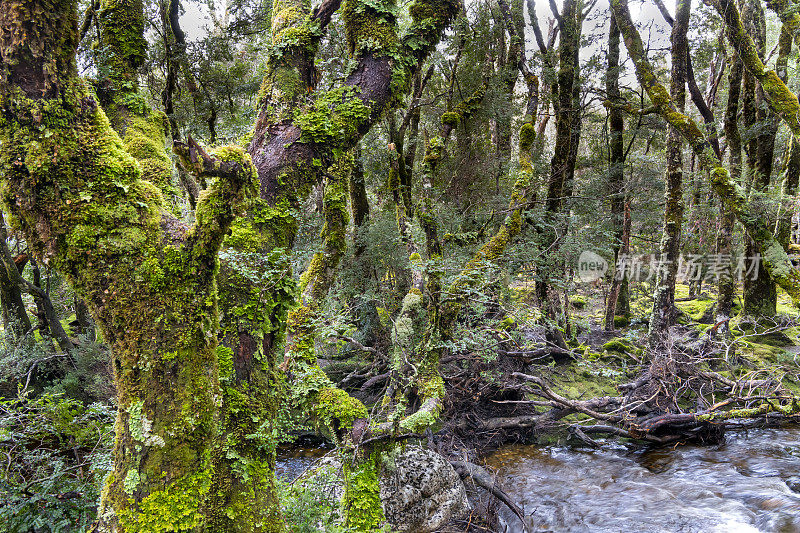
point(311, 503)
point(58, 453)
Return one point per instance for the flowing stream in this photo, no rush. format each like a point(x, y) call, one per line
point(750, 483)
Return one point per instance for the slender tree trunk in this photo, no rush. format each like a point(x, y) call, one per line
point(726, 285)
point(788, 205)
point(664, 311)
point(616, 175)
point(561, 167)
point(618, 285)
point(15, 316)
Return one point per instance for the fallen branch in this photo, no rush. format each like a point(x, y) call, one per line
point(482, 478)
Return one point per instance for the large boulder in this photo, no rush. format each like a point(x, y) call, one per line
point(421, 491)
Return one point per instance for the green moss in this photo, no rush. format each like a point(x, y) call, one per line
point(335, 116)
point(700, 309)
point(578, 302)
point(584, 379)
point(450, 118)
point(122, 38)
point(361, 501)
point(617, 345)
point(508, 323)
point(621, 321)
point(178, 508)
point(527, 135)
point(244, 237)
point(762, 355)
point(370, 26)
point(337, 409)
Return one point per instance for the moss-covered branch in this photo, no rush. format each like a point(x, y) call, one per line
point(445, 305)
point(234, 183)
point(335, 413)
point(143, 130)
point(319, 276)
point(783, 101)
point(729, 192)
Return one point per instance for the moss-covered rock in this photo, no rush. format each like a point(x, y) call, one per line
point(617, 345)
point(577, 301)
point(621, 321)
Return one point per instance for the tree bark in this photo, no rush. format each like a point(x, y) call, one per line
point(726, 285)
point(664, 310)
point(616, 174)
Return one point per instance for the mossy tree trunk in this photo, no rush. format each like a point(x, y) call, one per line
point(143, 130)
point(561, 166)
point(334, 412)
point(148, 280)
point(664, 310)
point(759, 294)
point(507, 74)
point(726, 285)
point(616, 175)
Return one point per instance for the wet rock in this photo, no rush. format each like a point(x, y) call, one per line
point(793, 483)
point(421, 491)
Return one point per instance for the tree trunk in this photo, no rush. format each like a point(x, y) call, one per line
point(664, 311)
point(15, 317)
point(761, 124)
point(147, 279)
point(616, 175)
point(561, 166)
point(619, 284)
point(143, 130)
point(726, 285)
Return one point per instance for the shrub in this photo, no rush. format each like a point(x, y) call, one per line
point(58, 453)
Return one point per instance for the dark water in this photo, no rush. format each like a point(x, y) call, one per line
point(293, 461)
point(751, 483)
